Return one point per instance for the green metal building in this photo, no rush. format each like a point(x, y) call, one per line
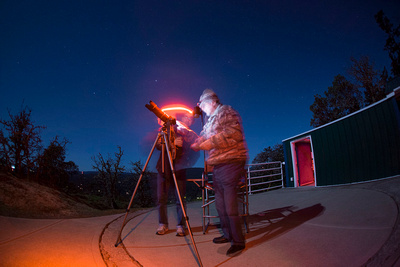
point(361, 146)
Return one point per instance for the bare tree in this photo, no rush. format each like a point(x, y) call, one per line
point(109, 170)
point(341, 99)
point(145, 195)
point(367, 77)
point(22, 142)
point(5, 161)
point(52, 169)
point(392, 42)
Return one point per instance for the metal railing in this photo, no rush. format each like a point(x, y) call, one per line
point(260, 177)
point(264, 176)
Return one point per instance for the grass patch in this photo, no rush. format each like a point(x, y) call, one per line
point(26, 199)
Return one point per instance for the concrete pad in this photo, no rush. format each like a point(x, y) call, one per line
point(37, 242)
point(336, 226)
point(288, 227)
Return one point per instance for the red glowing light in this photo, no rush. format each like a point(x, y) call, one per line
point(176, 109)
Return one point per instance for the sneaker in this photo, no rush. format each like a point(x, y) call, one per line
point(235, 250)
point(180, 231)
point(220, 240)
point(162, 229)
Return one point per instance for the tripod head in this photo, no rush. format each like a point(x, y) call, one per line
point(168, 130)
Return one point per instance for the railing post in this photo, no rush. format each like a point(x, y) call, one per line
point(282, 173)
point(249, 179)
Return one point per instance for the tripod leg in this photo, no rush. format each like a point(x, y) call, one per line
point(180, 198)
point(134, 192)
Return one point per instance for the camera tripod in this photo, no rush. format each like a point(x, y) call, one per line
point(164, 134)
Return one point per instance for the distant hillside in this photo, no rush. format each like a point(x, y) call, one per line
point(192, 173)
point(22, 198)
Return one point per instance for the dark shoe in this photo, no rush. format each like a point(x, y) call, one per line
point(220, 240)
point(235, 250)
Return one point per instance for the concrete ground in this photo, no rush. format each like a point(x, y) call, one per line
point(352, 225)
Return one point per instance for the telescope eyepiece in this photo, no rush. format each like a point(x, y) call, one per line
point(196, 111)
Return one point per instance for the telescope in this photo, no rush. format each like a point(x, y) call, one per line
point(159, 113)
point(166, 138)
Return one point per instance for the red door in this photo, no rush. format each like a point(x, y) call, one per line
point(305, 168)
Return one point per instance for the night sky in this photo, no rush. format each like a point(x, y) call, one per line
point(87, 68)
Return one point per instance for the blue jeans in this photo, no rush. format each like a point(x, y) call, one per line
point(225, 180)
point(165, 182)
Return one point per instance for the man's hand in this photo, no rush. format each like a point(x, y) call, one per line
point(206, 145)
point(196, 145)
point(179, 141)
point(200, 144)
